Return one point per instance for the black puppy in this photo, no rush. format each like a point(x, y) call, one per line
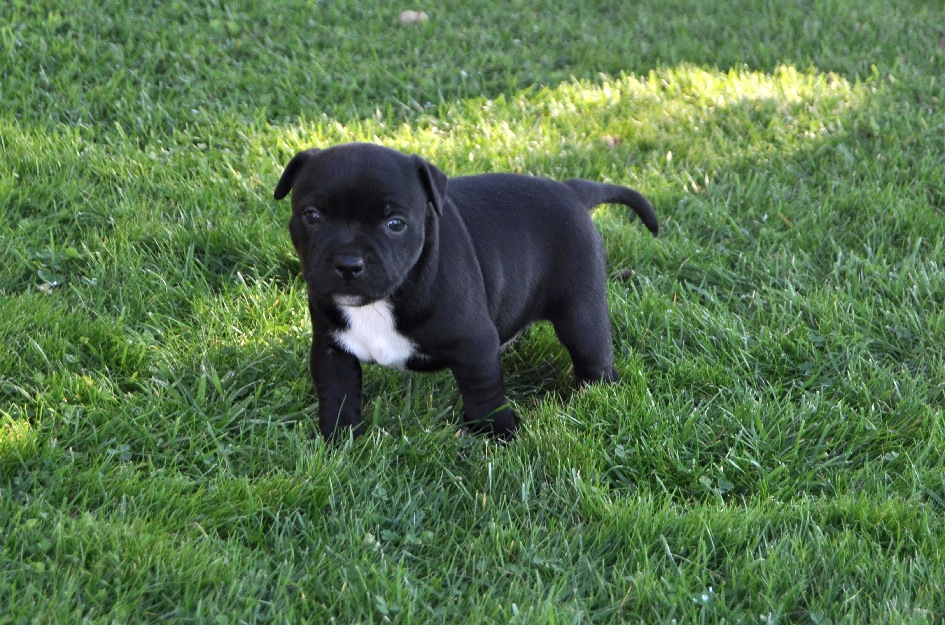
point(407, 268)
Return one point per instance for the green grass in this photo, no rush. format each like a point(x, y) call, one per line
point(772, 455)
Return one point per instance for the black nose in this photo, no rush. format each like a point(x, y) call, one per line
point(349, 267)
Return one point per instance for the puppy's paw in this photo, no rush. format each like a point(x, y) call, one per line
point(336, 434)
point(501, 425)
point(606, 376)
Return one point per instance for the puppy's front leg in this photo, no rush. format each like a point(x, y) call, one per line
point(337, 378)
point(486, 409)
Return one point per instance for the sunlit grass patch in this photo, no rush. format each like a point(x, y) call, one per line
point(707, 118)
point(17, 437)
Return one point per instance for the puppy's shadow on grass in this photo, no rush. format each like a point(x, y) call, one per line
point(535, 366)
point(241, 390)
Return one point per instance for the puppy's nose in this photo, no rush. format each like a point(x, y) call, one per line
point(349, 267)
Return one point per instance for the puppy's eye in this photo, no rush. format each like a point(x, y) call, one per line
point(311, 216)
point(396, 224)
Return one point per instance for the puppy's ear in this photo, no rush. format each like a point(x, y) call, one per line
point(291, 171)
point(434, 181)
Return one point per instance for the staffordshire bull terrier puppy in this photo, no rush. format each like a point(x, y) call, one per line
point(410, 269)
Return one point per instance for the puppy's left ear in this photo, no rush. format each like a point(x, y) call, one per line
point(291, 171)
point(434, 182)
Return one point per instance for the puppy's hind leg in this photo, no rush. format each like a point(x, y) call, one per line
point(584, 329)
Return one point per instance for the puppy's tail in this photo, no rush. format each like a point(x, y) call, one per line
point(593, 193)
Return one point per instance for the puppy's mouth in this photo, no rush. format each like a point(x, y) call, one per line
point(351, 295)
point(350, 291)
point(353, 301)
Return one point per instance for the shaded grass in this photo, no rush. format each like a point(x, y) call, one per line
point(771, 455)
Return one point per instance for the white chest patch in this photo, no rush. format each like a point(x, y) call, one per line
point(372, 337)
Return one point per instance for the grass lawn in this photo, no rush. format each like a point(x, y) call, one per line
point(773, 453)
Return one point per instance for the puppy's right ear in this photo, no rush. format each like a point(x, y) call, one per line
point(291, 171)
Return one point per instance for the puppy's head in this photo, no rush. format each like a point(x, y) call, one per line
point(361, 215)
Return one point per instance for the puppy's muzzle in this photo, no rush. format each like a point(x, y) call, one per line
point(348, 266)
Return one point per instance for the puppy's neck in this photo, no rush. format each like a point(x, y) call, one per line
point(372, 334)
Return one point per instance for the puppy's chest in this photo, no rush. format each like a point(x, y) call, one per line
point(372, 335)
